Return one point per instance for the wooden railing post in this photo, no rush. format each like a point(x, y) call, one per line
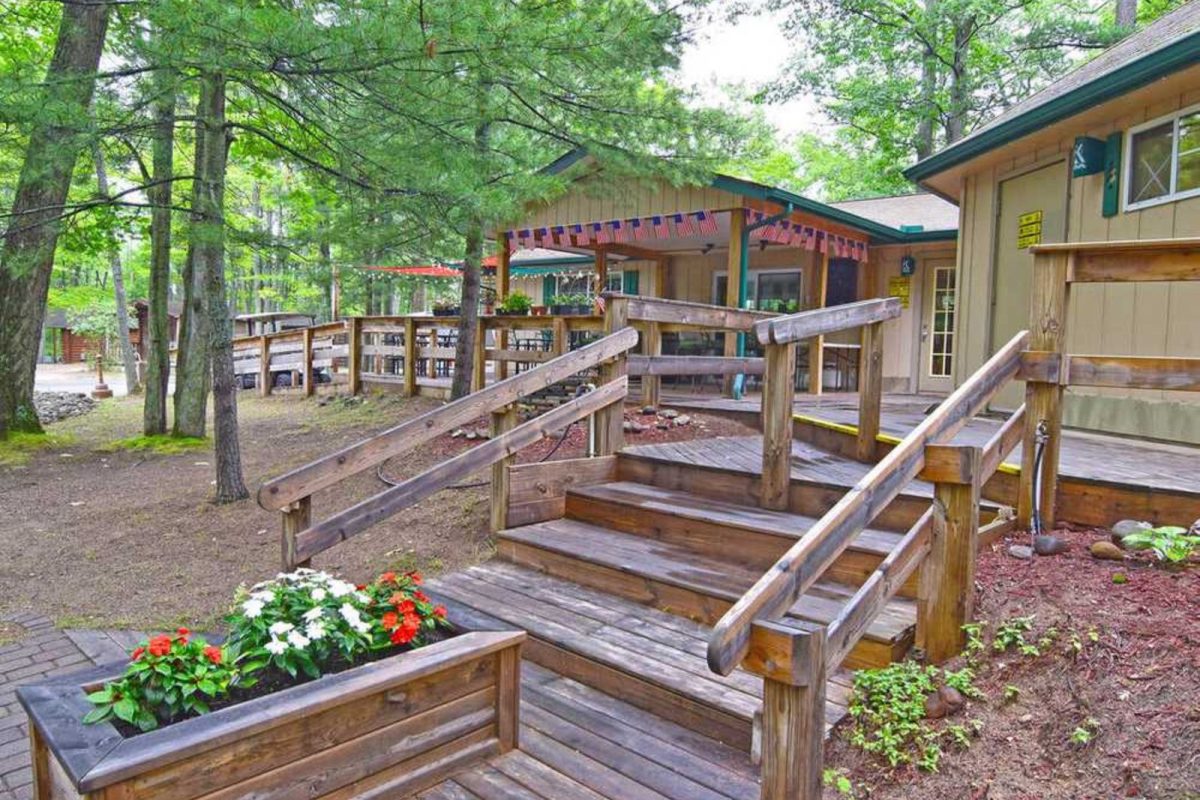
point(354, 331)
point(306, 362)
point(264, 366)
point(503, 421)
point(296, 517)
point(946, 589)
point(818, 288)
point(870, 390)
point(1049, 297)
point(792, 744)
point(479, 358)
point(501, 347)
point(610, 421)
point(652, 384)
point(410, 357)
point(779, 390)
point(560, 336)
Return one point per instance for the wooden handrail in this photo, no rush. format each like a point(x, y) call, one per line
point(1001, 444)
point(820, 321)
point(280, 492)
point(879, 587)
point(694, 365)
point(683, 312)
point(357, 518)
point(806, 560)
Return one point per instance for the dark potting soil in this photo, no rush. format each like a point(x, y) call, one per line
point(273, 679)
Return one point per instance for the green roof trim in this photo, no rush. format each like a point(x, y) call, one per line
point(1108, 86)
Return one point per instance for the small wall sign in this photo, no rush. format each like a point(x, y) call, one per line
point(1087, 157)
point(908, 266)
point(1029, 229)
point(901, 287)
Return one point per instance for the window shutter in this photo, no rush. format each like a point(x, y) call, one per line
point(630, 280)
point(547, 289)
point(1112, 175)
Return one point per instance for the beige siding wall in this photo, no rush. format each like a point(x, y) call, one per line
point(1131, 319)
point(595, 199)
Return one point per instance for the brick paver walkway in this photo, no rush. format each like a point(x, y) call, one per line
point(42, 652)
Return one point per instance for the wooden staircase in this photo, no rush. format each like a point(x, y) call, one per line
point(619, 594)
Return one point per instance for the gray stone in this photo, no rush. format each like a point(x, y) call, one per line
point(648, 410)
point(668, 413)
point(55, 406)
point(1106, 551)
point(458, 434)
point(1020, 551)
point(682, 419)
point(1049, 545)
point(1128, 526)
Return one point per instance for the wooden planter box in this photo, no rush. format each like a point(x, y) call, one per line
point(388, 728)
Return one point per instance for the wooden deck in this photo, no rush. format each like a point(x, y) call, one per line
point(1087, 456)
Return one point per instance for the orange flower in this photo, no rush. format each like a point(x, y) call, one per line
point(397, 598)
point(390, 620)
point(160, 645)
point(407, 607)
point(415, 577)
point(412, 621)
point(439, 611)
point(402, 635)
point(388, 577)
point(213, 654)
point(137, 653)
point(421, 596)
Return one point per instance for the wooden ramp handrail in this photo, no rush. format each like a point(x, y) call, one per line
point(359, 517)
point(684, 312)
point(695, 365)
point(280, 492)
point(820, 321)
point(1001, 444)
point(806, 560)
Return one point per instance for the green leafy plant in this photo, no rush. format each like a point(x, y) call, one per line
point(963, 681)
point(1085, 733)
point(1170, 543)
point(516, 303)
point(1011, 634)
point(838, 780)
point(888, 708)
point(168, 678)
point(1011, 693)
point(975, 644)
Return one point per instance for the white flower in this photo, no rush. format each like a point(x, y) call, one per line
point(276, 646)
point(280, 628)
point(297, 640)
point(252, 608)
point(314, 614)
point(265, 596)
point(318, 594)
point(340, 588)
point(350, 614)
point(315, 630)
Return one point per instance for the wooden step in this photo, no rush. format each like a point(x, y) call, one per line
point(753, 537)
point(647, 657)
point(680, 580)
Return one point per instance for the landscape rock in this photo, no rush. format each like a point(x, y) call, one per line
point(682, 419)
point(1023, 551)
point(944, 702)
point(472, 436)
point(668, 413)
point(1126, 527)
point(1106, 551)
point(55, 406)
point(649, 410)
point(1049, 545)
point(458, 434)
point(953, 698)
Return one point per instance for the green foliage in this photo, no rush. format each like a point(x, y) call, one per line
point(838, 781)
point(1011, 693)
point(1084, 733)
point(1010, 634)
point(161, 444)
point(1170, 544)
point(19, 446)
point(515, 303)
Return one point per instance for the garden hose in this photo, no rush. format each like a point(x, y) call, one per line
point(1040, 439)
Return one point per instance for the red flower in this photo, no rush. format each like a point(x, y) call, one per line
point(390, 620)
point(415, 577)
point(397, 598)
point(421, 596)
point(388, 577)
point(183, 634)
point(412, 621)
point(439, 611)
point(404, 634)
point(407, 607)
point(137, 653)
point(160, 645)
point(213, 654)
point(361, 586)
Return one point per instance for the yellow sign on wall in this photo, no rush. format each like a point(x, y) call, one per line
point(1029, 229)
point(900, 286)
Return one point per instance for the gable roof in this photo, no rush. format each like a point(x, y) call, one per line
point(924, 210)
point(1167, 45)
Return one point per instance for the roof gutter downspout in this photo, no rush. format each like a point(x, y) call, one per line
point(739, 381)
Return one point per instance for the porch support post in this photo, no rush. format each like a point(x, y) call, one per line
point(264, 365)
point(503, 421)
point(946, 587)
point(733, 283)
point(601, 268)
point(870, 390)
point(1049, 298)
point(502, 288)
point(306, 362)
point(652, 346)
point(779, 390)
point(816, 346)
point(354, 348)
point(479, 358)
point(610, 421)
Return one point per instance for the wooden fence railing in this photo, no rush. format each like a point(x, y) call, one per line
point(292, 493)
point(794, 662)
point(1047, 369)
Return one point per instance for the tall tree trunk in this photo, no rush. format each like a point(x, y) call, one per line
point(1127, 14)
point(158, 333)
point(928, 99)
point(27, 255)
point(468, 320)
point(960, 90)
point(326, 252)
point(128, 356)
point(192, 373)
point(256, 211)
point(208, 231)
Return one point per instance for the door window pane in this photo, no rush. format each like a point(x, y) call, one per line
point(1187, 175)
point(1150, 154)
point(778, 291)
point(945, 298)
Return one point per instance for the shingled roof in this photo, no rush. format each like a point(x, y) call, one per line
point(928, 211)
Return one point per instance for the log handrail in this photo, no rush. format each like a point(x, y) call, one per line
point(280, 492)
point(687, 313)
point(695, 365)
point(806, 560)
point(1001, 444)
point(821, 321)
point(357, 518)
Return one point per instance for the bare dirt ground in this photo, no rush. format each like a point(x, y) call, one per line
point(102, 537)
point(1137, 678)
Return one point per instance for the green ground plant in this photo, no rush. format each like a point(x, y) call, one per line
point(161, 444)
point(1170, 544)
point(16, 450)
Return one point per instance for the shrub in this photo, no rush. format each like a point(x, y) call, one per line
point(516, 303)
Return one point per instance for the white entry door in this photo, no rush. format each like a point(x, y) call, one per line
point(939, 311)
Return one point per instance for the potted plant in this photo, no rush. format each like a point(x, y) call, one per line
point(446, 308)
point(571, 304)
point(321, 686)
point(516, 304)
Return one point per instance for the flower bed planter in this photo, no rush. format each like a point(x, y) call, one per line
point(570, 310)
point(502, 313)
point(387, 728)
